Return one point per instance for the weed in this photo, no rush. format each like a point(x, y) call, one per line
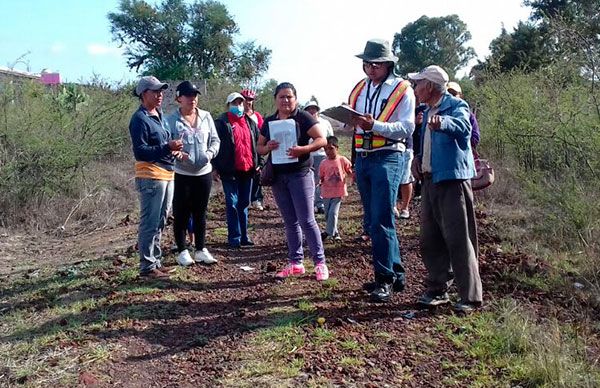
point(322, 335)
point(351, 362)
point(350, 345)
point(306, 306)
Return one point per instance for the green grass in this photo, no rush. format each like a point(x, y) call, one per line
point(351, 362)
point(524, 352)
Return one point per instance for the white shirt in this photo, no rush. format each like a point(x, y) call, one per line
point(401, 123)
point(328, 131)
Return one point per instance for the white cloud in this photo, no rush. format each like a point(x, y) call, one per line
point(100, 49)
point(57, 48)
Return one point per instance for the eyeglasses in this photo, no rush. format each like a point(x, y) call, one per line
point(374, 66)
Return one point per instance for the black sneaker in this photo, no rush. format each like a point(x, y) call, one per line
point(382, 293)
point(466, 307)
point(247, 243)
point(324, 236)
point(433, 300)
point(398, 286)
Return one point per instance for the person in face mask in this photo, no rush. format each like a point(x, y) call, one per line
point(235, 166)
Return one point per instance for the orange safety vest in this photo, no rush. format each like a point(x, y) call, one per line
point(392, 102)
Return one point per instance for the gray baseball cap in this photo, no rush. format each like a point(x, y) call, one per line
point(149, 82)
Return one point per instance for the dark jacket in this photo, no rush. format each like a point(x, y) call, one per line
point(224, 162)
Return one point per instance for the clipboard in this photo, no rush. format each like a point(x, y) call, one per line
point(343, 113)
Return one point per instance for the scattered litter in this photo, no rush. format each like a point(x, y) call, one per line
point(578, 286)
point(406, 315)
point(320, 321)
point(246, 268)
point(353, 321)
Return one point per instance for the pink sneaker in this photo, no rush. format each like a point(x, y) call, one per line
point(291, 270)
point(322, 272)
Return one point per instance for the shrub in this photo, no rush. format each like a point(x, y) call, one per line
point(47, 138)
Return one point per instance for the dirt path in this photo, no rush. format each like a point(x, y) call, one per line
point(225, 326)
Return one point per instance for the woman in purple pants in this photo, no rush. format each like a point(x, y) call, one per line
point(294, 186)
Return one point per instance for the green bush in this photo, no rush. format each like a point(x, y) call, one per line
point(547, 128)
point(49, 135)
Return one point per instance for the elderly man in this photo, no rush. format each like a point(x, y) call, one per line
point(387, 104)
point(445, 164)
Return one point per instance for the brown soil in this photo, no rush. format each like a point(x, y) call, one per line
point(206, 334)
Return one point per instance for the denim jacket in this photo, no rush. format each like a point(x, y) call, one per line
point(451, 156)
point(200, 143)
point(150, 139)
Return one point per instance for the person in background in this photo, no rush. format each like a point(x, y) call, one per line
point(332, 176)
point(455, 89)
point(406, 183)
point(387, 105)
point(319, 155)
point(193, 172)
point(154, 150)
point(235, 166)
point(294, 185)
point(256, 197)
point(445, 164)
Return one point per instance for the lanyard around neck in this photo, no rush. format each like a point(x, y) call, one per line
point(371, 108)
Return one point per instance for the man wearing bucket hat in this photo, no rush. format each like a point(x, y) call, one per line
point(318, 156)
point(387, 104)
point(153, 148)
point(445, 165)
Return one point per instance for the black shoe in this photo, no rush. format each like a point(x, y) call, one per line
point(324, 236)
point(247, 243)
point(382, 293)
point(398, 286)
point(320, 210)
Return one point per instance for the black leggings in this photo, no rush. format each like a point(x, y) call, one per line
point(191, 198)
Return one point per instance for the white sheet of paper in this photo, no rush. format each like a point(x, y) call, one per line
point(284, 132)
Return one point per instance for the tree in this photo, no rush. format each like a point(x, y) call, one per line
point(427, 41)
point(565, 31)
point(174, 40)
point(526, 48)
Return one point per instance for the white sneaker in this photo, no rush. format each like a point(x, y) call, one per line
point(404, 214)
point(204, 256)
point(396, 212)
point(184, 259)
point(258, 205)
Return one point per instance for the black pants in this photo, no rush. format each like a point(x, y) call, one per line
point(191, 198)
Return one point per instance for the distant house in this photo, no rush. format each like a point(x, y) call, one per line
point(12, 76)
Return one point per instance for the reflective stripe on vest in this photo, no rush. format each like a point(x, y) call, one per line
point(392, 102)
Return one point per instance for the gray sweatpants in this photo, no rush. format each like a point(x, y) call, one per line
point(449, 238)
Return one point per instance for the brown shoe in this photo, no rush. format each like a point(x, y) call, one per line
point(155, 274)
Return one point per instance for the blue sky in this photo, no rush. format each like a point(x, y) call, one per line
point(313, 41)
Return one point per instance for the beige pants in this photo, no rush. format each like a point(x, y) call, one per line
point(449, 238)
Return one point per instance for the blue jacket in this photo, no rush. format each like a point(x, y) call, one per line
point(150, 139)
point(451, 156)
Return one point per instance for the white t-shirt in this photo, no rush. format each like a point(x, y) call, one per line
point(327, 131)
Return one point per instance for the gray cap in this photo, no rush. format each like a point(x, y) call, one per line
point(149, 82)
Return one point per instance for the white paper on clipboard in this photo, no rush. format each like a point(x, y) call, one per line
point(284, 132)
